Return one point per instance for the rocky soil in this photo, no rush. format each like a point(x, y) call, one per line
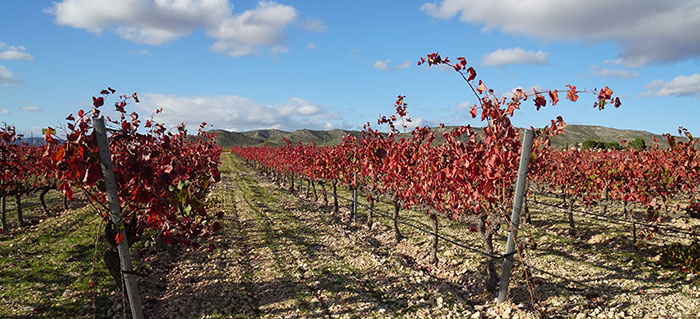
point(284, 256)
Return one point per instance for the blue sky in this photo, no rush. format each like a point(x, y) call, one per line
point(242, 65)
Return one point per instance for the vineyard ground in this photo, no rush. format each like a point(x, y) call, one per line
point(282, 256)
point(45, 268)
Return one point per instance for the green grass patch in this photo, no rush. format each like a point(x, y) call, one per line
point(45, 269)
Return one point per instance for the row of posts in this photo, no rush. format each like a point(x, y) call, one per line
point(520, 187)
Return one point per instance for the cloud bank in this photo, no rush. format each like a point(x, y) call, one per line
point(647, 31)
point(155, 22)
point(384, 65)
point(683, 85)
point(7, 77)
point(237, 113)
point(516, 55)
point(14, 53)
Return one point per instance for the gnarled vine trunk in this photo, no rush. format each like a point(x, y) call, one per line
point(370, 211)
point(486, 232)
point(528, 217)
point(4, 218)
point(42, 200)
point(526, 209)
point(570, 214)
point(434, 242)
point(335, 196)
point(313, 185)
point(308, 188)
point(607, 201)
point(395, 216)
point(325, 195)
point(111, 255)
point(629, 215)
point(20, 215)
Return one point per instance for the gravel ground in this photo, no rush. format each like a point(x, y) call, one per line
point(282, 256)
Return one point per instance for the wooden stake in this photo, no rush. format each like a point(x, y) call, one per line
point(115, 210)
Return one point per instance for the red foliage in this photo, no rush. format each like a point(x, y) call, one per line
point(162, 177)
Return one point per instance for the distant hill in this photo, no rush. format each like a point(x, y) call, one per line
point(573, 135)
point(33, 141)
point(276, 137)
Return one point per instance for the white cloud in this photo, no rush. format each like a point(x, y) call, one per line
point(614, 61)
point(300, 106)
point(142, 21)
point(648, 31)
point(7, 77)
point(683, 85)
point(516, 55)
point(16, 53)
point(313, 24)
point(464, 105)
point(232, 112)
point(155, 22)
point(613, 73)
point(31, 108)
point(4, 112)
point(141, 52)
point(311, 46)
point(529, 91)
point(383, 65)
point(352, 126)
point(416, 122)
point(404, 65)
point(242, 34)
point(279, 49)
point(419, 122)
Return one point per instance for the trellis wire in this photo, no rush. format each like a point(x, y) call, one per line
point(666, 228)
point(449, 240)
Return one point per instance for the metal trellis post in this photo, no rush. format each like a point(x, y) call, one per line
point(132, 289)
point(515, 217)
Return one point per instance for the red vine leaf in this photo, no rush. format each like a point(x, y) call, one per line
point(118, 238)
point(571, 94)
point(554, 97)
point(98, 101)
point(481, 88)
point(472, 74)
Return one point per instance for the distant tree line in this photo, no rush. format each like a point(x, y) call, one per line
point(637, 144)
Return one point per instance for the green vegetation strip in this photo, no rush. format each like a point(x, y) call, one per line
point(247, 188)
point(45, 269)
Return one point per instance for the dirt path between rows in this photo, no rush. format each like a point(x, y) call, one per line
point(279, 256)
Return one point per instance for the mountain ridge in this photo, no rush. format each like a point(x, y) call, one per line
point(572, 136)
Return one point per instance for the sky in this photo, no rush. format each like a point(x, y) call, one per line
point(244, 65)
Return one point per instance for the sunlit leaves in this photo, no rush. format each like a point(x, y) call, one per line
point(98, 101)
point(465, 174)
point(473, 112)
point(540, 101)
point(481, 88)
point(147, 165)
point(554, 97)
point(571, 93)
